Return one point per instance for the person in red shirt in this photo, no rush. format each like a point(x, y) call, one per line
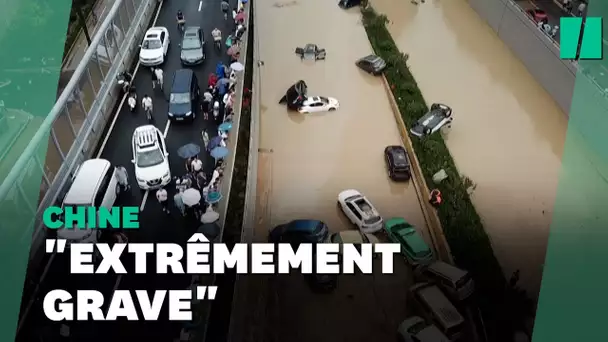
point(435, 198)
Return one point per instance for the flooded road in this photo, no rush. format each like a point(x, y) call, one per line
point(508, 133)
point(306, 160)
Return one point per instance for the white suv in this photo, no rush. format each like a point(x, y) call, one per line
point(150, 158)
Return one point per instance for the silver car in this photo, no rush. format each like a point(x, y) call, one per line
point(192, 46)
point(439, 116)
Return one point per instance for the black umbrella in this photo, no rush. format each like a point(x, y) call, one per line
point(188, 151)
point(211, 230)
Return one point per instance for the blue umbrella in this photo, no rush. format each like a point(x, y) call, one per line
point(213, 197)
point(214, 142)
point(188, 151)
point(225, 127)
point(219, 152)
point(219, 70)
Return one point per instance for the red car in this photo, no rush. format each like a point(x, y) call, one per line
point(538, 15)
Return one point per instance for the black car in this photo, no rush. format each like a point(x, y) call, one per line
point(193, 46)
point(295, 95)
point(398, 163)
point(185, 95)
point(346, 4)
point(372, 64)
point(299, 231)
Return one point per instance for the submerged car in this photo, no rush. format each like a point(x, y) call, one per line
point(154, 47)
point(439, 116)
point(311, 51)
point(538, 15)
point(299, 231)
point(413, 246)
point(398, 163)
point(346, 4)
point(316, 104)
point(295, 95)
point(360, 211)
point(372, 64)
point(416, 329)
point(192, 46)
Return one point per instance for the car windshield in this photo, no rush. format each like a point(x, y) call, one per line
point(191, 43)
point(151, 44)
point(180, 98)
point(372, 220)
point(400, 160)
point(149, 158)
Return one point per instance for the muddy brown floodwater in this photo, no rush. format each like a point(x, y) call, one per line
point(508, 133)
point(306, 160)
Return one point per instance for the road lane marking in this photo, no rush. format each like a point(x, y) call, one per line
point(143, 201)
point(200, 5)
point(167, 129)
point(124, 97)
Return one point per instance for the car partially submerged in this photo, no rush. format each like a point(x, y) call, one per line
point(295, 96)
point(315, 104)
point(311, 51)
point(398, 163)
point(413, 246)
point(439, 116)
point(371, 64)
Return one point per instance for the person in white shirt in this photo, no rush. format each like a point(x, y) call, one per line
point(196, 165)
point(547, 28)
point(146, 103)
point(554, 31)
point(123, 178)
point(581, 8)
point(158, 72)
point(162, 197)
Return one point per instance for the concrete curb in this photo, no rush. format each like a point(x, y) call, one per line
point(422, 190)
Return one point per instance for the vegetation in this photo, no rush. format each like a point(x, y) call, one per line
point(74, 25)
point(503, 307)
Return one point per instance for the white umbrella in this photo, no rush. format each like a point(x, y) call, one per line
point(191, 197)
point(210, 215)
point(236, 66)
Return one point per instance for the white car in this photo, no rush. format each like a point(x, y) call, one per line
point(360, 211)
point(154, 47)
point(150, 158)
point(315, 104)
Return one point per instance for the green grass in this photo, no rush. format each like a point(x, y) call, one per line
point(501, 306)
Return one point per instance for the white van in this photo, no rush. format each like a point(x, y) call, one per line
point(457, 283)
point(438, 309)
point(94, 185)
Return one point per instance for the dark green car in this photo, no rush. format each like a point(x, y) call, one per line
point(193, 46)
point(413, 246)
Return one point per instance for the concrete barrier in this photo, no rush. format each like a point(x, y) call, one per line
point(442, 249)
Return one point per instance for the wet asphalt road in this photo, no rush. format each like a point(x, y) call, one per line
point(155, 226)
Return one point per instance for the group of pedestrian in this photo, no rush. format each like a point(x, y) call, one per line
point(568, 6)
point(544, 26)
point(218, 98)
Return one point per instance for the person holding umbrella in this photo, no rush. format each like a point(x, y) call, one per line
point(179, 202)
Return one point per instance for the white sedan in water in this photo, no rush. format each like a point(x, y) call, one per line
point(314, 104)
point(154, 47)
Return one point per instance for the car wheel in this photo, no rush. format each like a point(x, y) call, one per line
point(332, 109)
point(427, 131)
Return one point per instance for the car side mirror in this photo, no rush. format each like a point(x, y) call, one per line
point(133, 161)
point(167, 154)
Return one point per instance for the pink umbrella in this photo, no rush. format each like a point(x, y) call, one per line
point(233, 50)
point(240, 17)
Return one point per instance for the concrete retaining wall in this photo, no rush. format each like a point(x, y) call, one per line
point(538, 52)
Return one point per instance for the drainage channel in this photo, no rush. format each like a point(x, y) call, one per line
point(219, 320)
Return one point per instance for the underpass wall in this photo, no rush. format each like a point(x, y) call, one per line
point(535, 49)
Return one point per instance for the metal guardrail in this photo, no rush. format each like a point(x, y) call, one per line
point(132, 17)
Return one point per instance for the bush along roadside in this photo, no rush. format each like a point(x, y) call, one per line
point(503, 307)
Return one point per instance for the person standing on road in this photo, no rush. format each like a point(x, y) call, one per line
point(179, 202)
point(196, 166)
point(225, 8)
point(158, 75)
point(123, 178)
point(162, 197)
point(547, 28)
point(554, 31)
point(581, 8)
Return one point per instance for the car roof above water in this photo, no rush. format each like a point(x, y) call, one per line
point(303, 225)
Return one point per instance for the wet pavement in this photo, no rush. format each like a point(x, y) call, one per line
point(508, 133)
point(155, 225)
point(306, 160)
